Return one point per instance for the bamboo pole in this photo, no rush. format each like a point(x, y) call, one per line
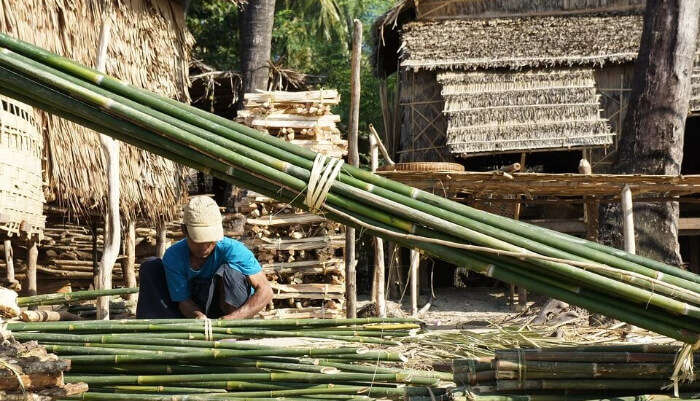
point(378, 295)
point(128, 270)
point(598, 252)
point(413, 268)
point(32, 256)
point(354, 160)
point(628, 219)
point(112, 226)
point(354, 209)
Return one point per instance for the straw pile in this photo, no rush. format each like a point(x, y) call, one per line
point(29, 373)
point(149, 48)
point(499, 111)
point(539, 41)
point(620, 369)
point(178, 358)
point(301, 118)
point(580, 272)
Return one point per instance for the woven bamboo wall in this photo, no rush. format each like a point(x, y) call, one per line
point(423, 125)
point(21, 192)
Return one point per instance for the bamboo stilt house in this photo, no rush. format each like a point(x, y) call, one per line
point(149, 47)
point(482, 77)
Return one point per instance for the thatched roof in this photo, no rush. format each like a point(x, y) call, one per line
point(502, 111)
point(149, 48)
point(521, 42)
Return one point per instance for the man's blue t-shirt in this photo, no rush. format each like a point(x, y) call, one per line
point(178, 273)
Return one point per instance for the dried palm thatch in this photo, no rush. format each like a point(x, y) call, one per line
point(441, 9)
point(149, 48)
point(521, 42)
point(21, 191)
point(500, 111)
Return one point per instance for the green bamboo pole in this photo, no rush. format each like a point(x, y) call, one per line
point(387, 183)
point(126, 111)
point(524, 369)
point(258, 377)
point(61, 298)
point(156, 369)
point(198, 116)
point(589, 385)
point(377, 369)
point(161, 389)
point(95, 396)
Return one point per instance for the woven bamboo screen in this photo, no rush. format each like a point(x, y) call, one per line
point(21, 192)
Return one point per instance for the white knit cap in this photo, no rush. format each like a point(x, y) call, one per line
point(203, 220)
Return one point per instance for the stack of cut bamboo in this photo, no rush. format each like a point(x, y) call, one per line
point(29, 373)
point(301, 253)
point(302, 118)
point(622, 369)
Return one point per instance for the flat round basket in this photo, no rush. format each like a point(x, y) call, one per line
point(423, 166)
point(21, 192)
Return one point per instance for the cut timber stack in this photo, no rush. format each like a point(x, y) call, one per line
point(40, 373)
point(302, 118)
point(301, 253)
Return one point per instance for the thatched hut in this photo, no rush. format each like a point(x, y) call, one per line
point(149, 48)
point(481, 77)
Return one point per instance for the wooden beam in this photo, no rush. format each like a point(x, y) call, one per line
point(354, 159)
point(378, 282)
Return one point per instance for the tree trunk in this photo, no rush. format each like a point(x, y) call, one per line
point(112, 230)
point(652, 135)
point(256, 43)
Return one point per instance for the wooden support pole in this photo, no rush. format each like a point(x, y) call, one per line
point(378, 295)
point(385, 154)
point(628, 219)
point(9, 263)
point(590, 206)
point(522, 292)
point(32, 256)
point(128, 269)
point(354, 159)
point(394, 280)
point(112, 227)
point(413, 267)
point(161, 240)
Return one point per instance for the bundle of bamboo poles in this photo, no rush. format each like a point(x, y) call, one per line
point(133, 359)
point(644, 292)
point(619, 369)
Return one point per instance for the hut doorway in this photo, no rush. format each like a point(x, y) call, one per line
point(689, 235)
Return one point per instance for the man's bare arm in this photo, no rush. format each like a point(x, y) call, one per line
point(256, 303)
point(191, 309)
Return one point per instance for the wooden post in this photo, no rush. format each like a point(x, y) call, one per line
point(590, 205)
point(161, 240)
point(414, 265)
point(32, 256)
point(378, 284)
point(628, 219)
point(112, 228)
point(394, 281)
point(128, 270)
point(522, 292)
point(354, 159)
point(9, 263)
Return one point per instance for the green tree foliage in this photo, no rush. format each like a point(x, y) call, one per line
point(310, 36)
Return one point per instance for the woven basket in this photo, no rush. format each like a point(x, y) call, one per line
point(21, 191)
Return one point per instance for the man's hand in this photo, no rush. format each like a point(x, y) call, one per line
point(191, 309)
point(256, 303)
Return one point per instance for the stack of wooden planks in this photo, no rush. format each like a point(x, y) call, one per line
point(302, 118)
point(29, 373)
point(301, 253)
